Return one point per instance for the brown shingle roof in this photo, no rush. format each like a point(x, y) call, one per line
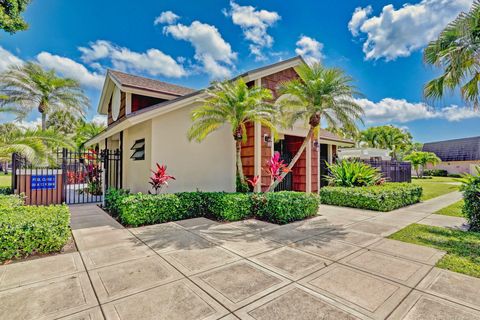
point(130, 80)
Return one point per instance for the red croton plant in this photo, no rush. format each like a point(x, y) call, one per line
point(160, 178)
point(275, 168)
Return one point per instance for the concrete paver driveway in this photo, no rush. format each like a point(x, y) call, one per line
point(334, 266)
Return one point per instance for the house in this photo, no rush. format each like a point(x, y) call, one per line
point(458, 155)
point(148, 122)
point(364, 154)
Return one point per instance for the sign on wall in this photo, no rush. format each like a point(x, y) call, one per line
point(43, 182)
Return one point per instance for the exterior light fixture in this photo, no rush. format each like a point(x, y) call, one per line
point(315, 145)
point(267, 139)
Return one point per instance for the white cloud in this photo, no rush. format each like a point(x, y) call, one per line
point(211, 49)
point(153, 61)
point(401, 111)
point(254, 24)
point(398, 32)
point(100, 120)
point(8, 59)
point(167, 17)
point(34, 124)
point(310, 49)
point(358, 18)
point(71, 69)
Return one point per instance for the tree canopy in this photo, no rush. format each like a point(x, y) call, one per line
point(10, 15)
point(387, 137)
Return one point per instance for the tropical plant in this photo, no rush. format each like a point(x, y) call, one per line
point(236, 104)
point(10, 15)
point(35, 145)
point(85, 131)
point(318, 94)
point(276, 167)
point(347, 173)
point(387, 137)
point(29, 86)
point(456, 52)
point(471, 195)
point(63, 121)
point(420, 159)
point(160, 178)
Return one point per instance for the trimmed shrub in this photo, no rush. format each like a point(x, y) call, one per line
point(454, 175)
point(140, 209)
point(113, 199)
point(285, 206)
point(278, 207)
point(228, 206)
point(5, 190)
point(387, 197)
point(471, 196)
point(25, 230)
point(436, 173)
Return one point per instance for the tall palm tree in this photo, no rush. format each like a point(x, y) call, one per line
point(320, 94)
point(29, 86)
point(63, 121)
point(456, 51)
point(236, 104)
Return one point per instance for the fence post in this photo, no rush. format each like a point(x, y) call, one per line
point(14, 172)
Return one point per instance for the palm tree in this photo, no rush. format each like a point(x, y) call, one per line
point(319, 94)
point(420, 159)
point(63, 121)
point(236, 104)
point(35, 145)
point(28, 86)
point(456, 51)
point(387, 137)
point(85, 131)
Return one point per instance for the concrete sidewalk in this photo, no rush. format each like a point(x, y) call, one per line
point(335, 266)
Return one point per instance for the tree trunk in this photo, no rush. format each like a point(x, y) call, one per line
point(239, 160)
point(44, 121)
point(294, 160)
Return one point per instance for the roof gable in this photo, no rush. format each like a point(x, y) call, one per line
point(465, 149)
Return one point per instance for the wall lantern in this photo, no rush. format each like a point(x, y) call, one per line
point(315, 145)
point(267, 139)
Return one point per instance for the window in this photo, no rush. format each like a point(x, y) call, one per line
point(138, 150)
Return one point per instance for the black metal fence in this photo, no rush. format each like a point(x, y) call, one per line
point(72, 177)
point(393, 171)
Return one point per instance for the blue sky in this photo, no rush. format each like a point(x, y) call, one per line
point(379, 43)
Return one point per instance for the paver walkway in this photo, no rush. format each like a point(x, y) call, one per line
point(335, 266)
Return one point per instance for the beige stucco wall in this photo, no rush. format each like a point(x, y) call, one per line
point(457, 167)
point(207, 166)
point(136, 173)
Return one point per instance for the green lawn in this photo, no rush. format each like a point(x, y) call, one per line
point(5, 180)
point(454, 210)
point(463, 248)
point(436, 186)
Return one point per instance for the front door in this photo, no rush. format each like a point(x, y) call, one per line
point(287, 183)
point(323, 166)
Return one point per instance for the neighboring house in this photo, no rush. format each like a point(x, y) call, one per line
point(364, 154)
point(148, 121)
point(458, 155)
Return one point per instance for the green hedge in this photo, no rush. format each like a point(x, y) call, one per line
point(25, 230)
point(387, 197)
point(5, 190)
point(436, 173)
point(279, 207)
point(286, 206)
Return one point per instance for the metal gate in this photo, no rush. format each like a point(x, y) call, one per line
point(71, 177)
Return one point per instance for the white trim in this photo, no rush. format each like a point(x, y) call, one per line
point(128, 103)
point(308, 164)
point(330, 153)
point(268, 71)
